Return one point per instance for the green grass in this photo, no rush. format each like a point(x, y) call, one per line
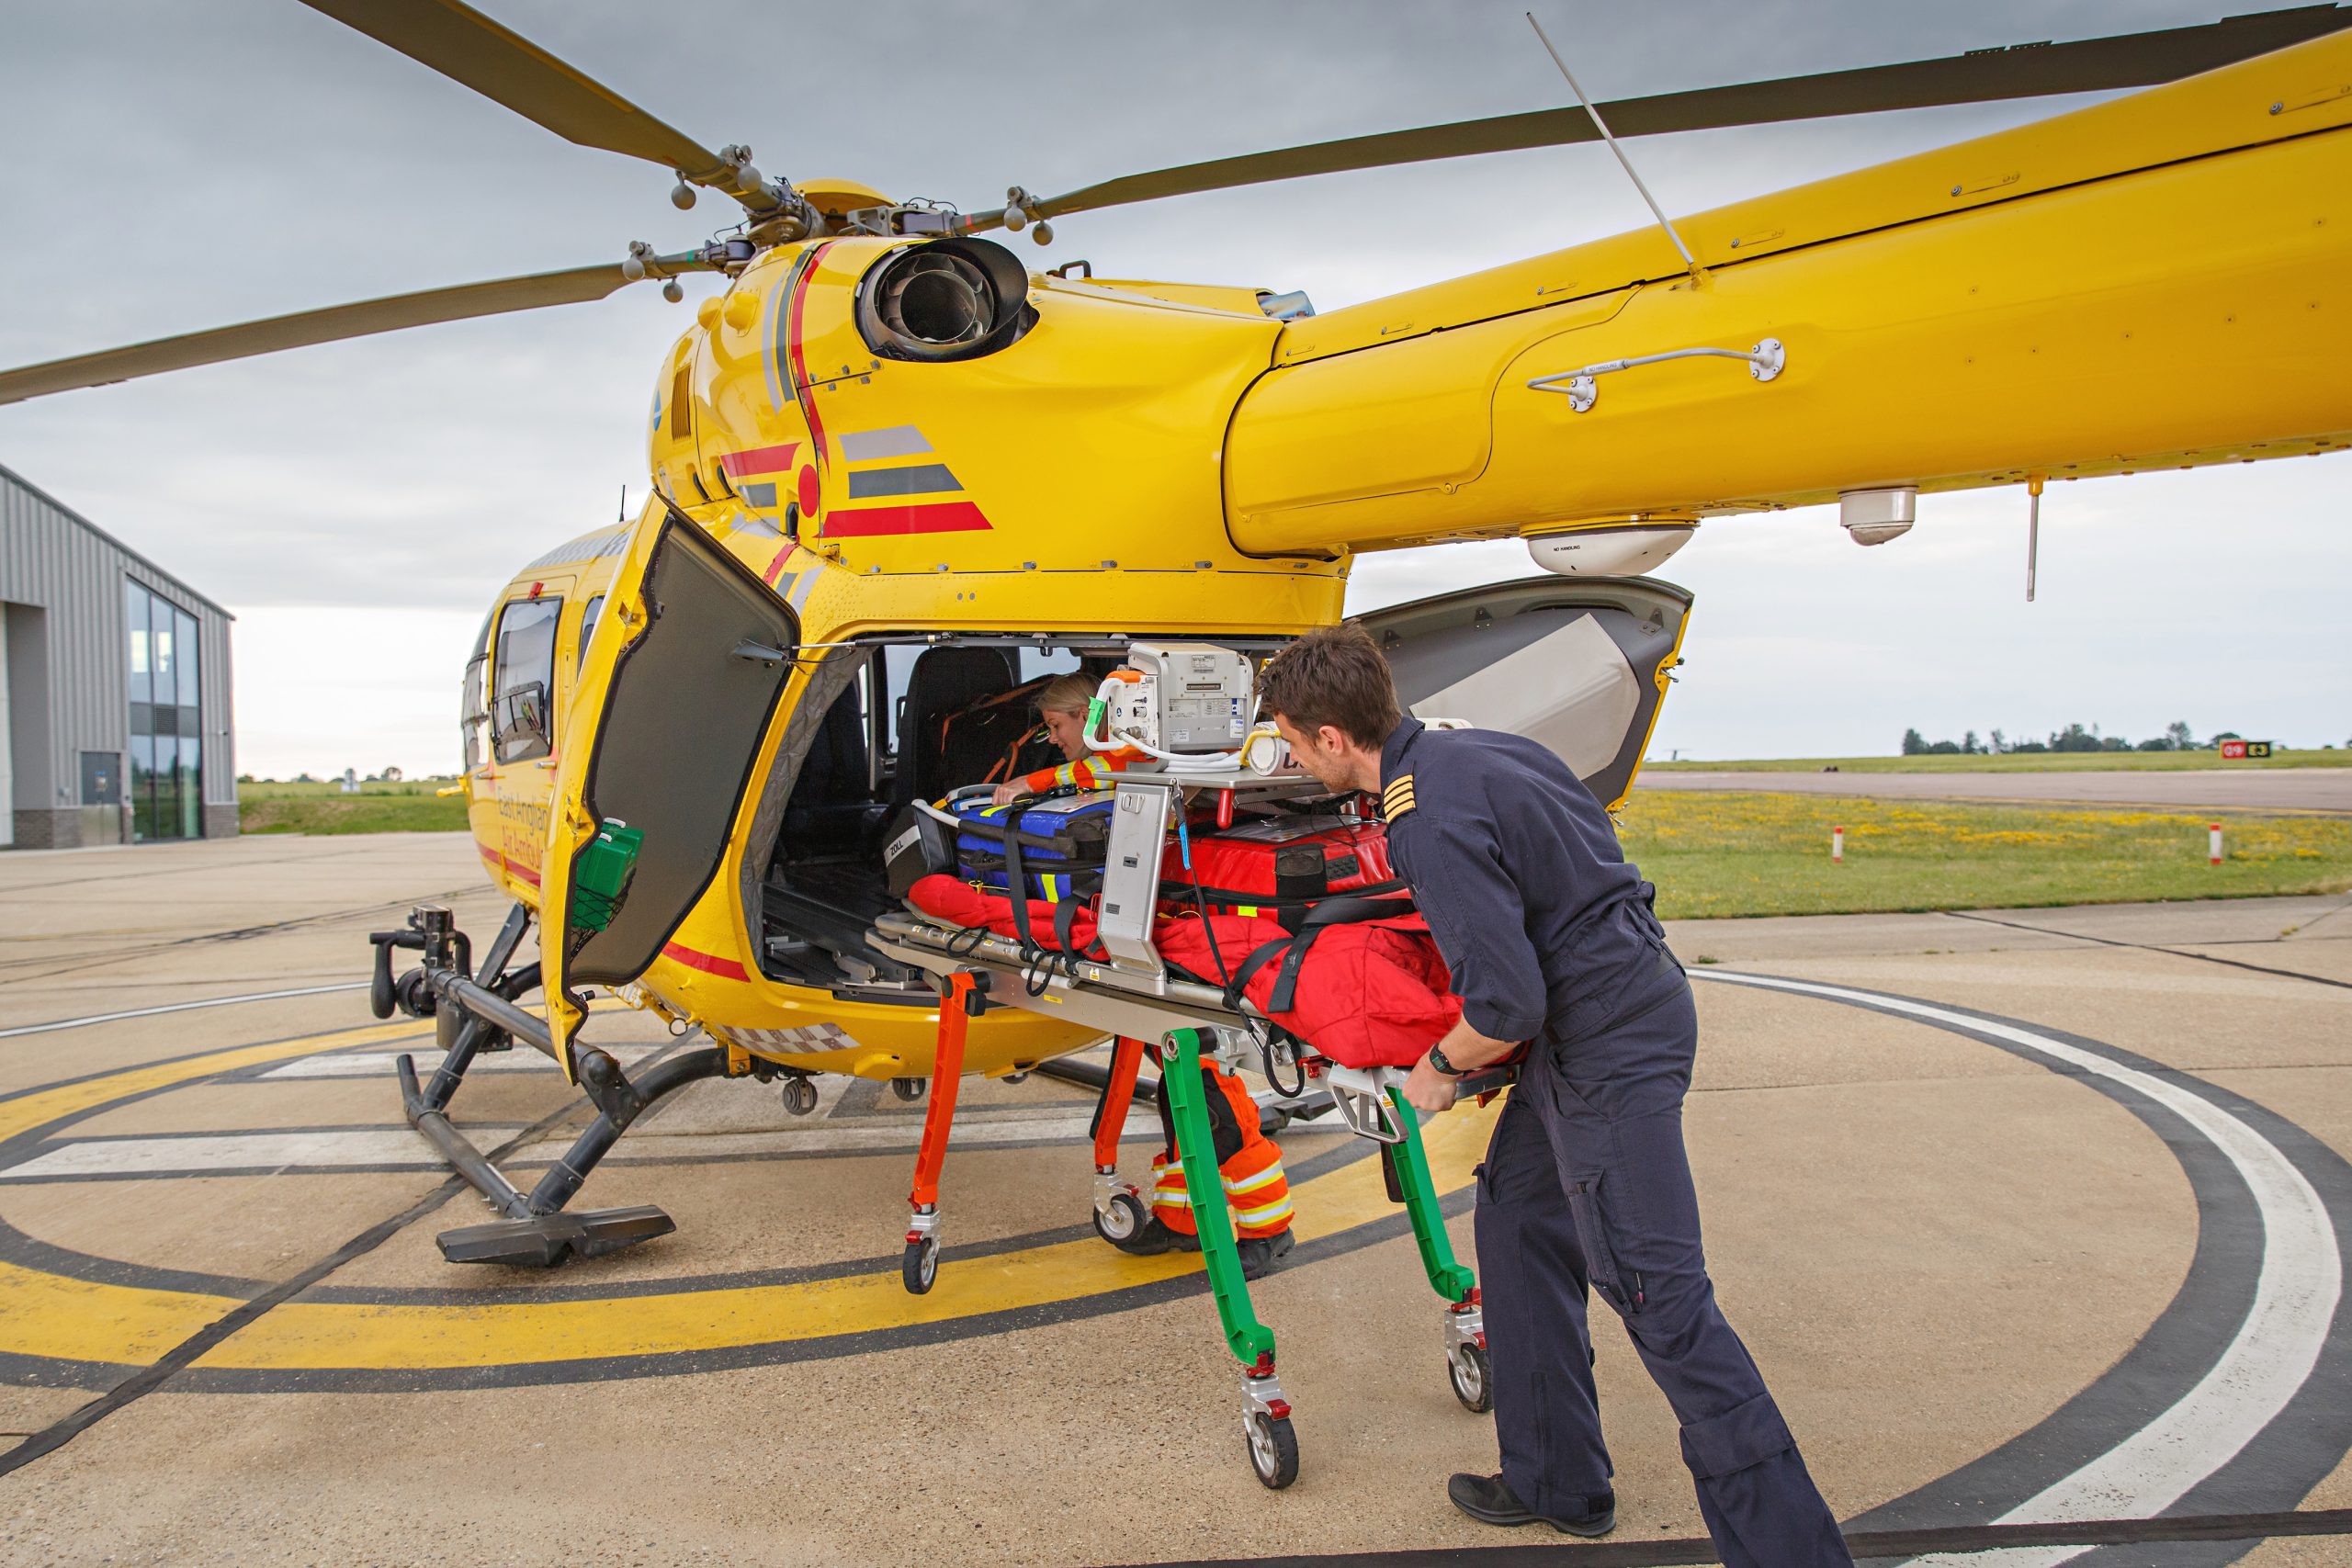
point(407, 807)
point(1728, 854)
point(2031, 762)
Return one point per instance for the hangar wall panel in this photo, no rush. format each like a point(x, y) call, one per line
point(68, 646)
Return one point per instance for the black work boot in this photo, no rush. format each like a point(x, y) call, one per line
point(1155, 1237)
point(1487, 1499)
point(1260, 1253)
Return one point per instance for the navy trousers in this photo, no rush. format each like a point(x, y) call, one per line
point(1586, 1189)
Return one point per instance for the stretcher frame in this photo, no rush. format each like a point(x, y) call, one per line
point(1192, 1023)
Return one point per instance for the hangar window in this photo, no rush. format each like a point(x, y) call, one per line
point(522, 711)
point(167, 717)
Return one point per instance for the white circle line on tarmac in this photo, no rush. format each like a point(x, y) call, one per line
point(182, 1007)
point(2274, 1350)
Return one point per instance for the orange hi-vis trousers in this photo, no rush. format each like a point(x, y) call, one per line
point(1246, 1159)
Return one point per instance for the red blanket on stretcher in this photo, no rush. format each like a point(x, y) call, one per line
point(1370, 993)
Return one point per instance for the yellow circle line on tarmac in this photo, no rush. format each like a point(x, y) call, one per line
point(52, 1316)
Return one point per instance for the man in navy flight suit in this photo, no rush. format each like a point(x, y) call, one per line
point(1550, 940)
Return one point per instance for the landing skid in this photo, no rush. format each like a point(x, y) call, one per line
point(479, 1011)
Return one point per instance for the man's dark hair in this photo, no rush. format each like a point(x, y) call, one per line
point(1334, 675)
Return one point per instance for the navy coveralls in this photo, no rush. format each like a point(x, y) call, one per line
point(1549, 938)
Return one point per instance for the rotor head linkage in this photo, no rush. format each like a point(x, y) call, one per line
point(1020, 211)
point(643, 262)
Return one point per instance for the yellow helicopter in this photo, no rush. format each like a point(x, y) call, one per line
point(895, 473)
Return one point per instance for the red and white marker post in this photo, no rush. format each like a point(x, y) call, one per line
point(2213, 843)
point(1837, 846)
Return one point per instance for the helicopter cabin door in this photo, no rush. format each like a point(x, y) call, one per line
point(1579, 666)
point(680, 684)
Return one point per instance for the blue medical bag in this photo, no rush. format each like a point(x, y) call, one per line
point(1057, 845)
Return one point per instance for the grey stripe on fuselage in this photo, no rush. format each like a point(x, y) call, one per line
point(920, 478)
point(896, 441)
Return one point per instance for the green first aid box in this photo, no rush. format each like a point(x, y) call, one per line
point(601, 873)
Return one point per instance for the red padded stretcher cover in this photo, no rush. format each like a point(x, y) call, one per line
point(1371, 994)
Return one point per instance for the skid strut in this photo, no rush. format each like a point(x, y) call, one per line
point(480, 1012)
point(963, 995)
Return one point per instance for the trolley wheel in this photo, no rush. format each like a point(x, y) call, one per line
point(919, 1268)
point(1467, 1369)
point(799, 1096)
point(1273, 1118)
point(1123, 1223)
point(1273, 1450)
point(908, 1089)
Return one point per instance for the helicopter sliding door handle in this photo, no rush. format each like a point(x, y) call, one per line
point(1765, 362)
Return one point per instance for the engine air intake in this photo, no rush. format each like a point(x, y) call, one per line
point(949, 299)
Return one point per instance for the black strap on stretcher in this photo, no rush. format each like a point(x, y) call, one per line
point(1343, 910)
point(1063, 956)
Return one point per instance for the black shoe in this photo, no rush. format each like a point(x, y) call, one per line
point(1155, 1237)
point(1260, 1253)
point(1487, 1499)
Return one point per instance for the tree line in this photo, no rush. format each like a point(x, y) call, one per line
point(2178, 736)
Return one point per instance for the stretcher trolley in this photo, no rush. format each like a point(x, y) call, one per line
point(1131, 994)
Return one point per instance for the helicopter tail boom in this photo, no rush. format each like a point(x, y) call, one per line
point(2161, 280)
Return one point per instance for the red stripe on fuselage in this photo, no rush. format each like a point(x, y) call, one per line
point(710, 963)
point(931, 517)
point(792, 352)
point(758, 460)
point(495, 861)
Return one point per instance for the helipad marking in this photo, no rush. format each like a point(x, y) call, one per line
point(325, 1151)
point(36, 1108)
point(2263, 1367)
point(199, 1156)
point(305, 1334)
point(51, 1316)
point(181, 1007)
point(379, 1063)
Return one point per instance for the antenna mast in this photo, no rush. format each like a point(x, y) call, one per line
point(1698, 273)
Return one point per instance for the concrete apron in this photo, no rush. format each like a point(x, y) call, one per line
point(2029, 1219)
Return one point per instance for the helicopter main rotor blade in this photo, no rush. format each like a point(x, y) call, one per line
point(2020, 71)
point(307, 327)
point(501, 65)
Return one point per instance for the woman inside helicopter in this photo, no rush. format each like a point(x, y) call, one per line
point(1061, 714)
point(1248, 1161)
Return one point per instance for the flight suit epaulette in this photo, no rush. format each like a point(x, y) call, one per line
point(1397, 798)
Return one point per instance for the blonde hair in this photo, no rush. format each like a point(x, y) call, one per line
point(1068, 693)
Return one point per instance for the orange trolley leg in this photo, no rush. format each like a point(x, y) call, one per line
point(920, 1266)
point(1119, 1210)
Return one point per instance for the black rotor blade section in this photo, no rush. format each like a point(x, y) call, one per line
point(307, 327)
point(467, 47)
point(2020, 71)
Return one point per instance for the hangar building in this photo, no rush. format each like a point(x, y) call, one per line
point(114, 709)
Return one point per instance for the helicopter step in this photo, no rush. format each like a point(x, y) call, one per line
point(478, 1012)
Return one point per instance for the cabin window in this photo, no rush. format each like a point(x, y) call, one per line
point(596, 607)
point(522, 711)
point(473, 700)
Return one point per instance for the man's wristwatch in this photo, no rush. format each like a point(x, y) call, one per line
point(1437, 1060)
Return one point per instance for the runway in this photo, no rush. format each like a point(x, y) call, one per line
point(2027, 1216)
point(2197, 789)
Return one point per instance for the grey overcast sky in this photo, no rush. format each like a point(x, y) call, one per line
point(166, 166)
